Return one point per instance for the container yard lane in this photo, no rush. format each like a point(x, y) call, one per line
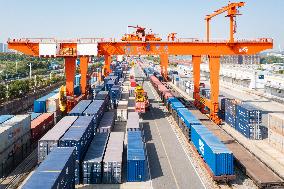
point(170, 167)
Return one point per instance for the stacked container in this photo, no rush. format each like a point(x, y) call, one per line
point(93, 161)
point(4, 118)
point(40, 125)
point(106, 123)
point(206, 93)
point(276, 130)
point(33, 115)
point(79, 135)
point(121, 111)
point(103, 95)
point(112, 163)
point(133, 123)
point(136, 157)
point(248, 120)
point(40, 104)
point(57, 171)
point(96, 110)
point(230, 112)
point(217, 156)
point(15, 140)
point(131, 104)
point(80, 108)
point(52, 103)
point(51, 139)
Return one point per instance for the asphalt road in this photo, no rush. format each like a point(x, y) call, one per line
point(170, 167)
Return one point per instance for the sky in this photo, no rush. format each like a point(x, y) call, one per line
point(65, 19)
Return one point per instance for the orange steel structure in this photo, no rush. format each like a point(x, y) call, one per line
point(189, 46)
point(232, 10)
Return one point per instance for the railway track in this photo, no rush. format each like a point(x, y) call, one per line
point(20, 173)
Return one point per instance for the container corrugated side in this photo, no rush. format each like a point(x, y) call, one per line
point(92, 164)
point(34, 115)
point(112, 163)
point(106, 122)
point(216, 155)
point(50, 140)
point(13, 129)
point(41, 125)
point(80, 108)
point(57, 171)
point(79, 135)
point(96, 109)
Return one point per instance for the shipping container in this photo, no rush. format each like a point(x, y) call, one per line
point(96, 109)
point(13, 129)
point(276, 140)
point(50, 140)
point(77, 90)
point(57, 171)
point(133, 122)
point(79, 135)
point(112, 163)
point(106, 123)
point(136, 157)
point(41, 125)
point(34, 115)
point(52, 103)
point(217, 156)
point(92, 164)
point(40, 104)
point(276, 122)
point(131, 104)
point(80, 108)
point(185, 120)
point(121, 111)
point(170, 101)
point(4, 118)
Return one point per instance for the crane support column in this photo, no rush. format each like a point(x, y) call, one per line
point(84, 69)
point(107, 69)
point(208, 29)
point(70, 69)
point(214, 67)
point(196, 60)
point(232, 30)
point(164, 65)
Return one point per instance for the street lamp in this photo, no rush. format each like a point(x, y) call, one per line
point(30, 69)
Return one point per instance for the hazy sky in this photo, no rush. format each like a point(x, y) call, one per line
point(110, 18)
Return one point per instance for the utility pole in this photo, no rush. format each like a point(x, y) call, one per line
point(30, 69)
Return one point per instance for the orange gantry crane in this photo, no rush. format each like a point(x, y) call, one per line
point(232, 9)
point(140, 35)
point(81, 48)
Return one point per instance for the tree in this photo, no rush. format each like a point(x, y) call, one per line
point(2, 92)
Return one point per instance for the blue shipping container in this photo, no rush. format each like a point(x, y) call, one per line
point(57, 171)
point(216, 155)
point(136, 157)
point(80, 108)
point(40, 104)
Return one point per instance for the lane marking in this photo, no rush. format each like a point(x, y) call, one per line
point(188, 157)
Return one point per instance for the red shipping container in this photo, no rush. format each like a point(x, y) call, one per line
point(132, 83)
point(41, 125)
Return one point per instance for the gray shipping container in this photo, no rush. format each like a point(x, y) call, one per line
point(121, 111)
point(92, 164)
point(133, 122)
point(80, 108)
point(50, 140)
point(131, 104)
point(13, 129)
point(106, 122)
point(113, 158)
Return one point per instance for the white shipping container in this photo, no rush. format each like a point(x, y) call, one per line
point(121, 112)
point(13, 129)
point(52, 103)
point(276, 122)
point(276, 140)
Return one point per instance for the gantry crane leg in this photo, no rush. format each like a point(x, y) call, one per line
point(84, 69)
point(164, 65)
point(70, 69)
point(107, 69)
point(214, 66)
point(196, 60)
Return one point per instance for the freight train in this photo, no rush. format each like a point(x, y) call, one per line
point(218, 159)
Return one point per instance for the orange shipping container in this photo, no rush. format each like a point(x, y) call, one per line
point(41, 125)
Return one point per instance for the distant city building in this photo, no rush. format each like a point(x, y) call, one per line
point(240, 59)
point(4, 48)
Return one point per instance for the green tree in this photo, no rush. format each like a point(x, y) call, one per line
point(2, 92)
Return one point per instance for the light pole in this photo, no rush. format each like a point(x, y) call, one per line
point(30, 69)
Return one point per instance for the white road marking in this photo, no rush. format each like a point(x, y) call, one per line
point(188, 157)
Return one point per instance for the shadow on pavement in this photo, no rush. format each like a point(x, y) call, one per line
point(154, 162)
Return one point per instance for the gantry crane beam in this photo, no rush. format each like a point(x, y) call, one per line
point(232, 10)
point(214, 49)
